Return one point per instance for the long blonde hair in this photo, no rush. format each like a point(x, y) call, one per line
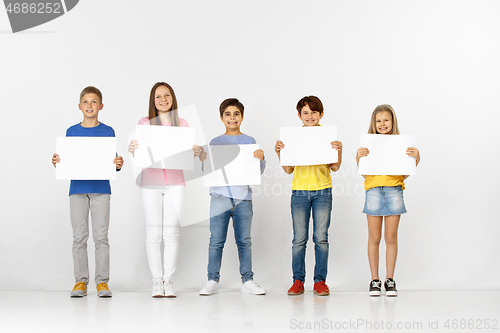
point(381, 108)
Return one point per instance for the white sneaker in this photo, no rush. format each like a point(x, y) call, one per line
point(250, 287)
point(158, 290)
point(169, 289)
point(210, 288)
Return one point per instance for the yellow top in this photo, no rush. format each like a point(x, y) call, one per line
point(311, 177)
point(376, 181)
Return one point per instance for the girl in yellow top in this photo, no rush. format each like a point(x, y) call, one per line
point(384, 201)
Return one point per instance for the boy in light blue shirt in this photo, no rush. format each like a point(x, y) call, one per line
point(235, 202)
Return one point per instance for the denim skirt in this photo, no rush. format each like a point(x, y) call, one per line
point(384, 201)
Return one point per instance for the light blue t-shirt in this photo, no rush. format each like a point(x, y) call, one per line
point(90, 186)
point(236, 192)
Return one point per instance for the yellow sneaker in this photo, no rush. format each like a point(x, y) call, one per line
point(103, 290)
point(79, 290)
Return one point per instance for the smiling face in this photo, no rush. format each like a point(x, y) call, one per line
point(90, 104)
point(232, 118)
point(383, 122)
point(309, 117)
point(163, 99)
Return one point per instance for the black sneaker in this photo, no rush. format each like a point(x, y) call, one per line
point(390, 288)
point(375, 287)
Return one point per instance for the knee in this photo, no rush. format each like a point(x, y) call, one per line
point(244, 243)
point(80, 239)
point(320, 237)
point(391, 240)
point(153, 234)
point(374, 239)
point(171, 233)
point(216, 246)
point(300, 240)
point(320, 241)
point(216, 242)
point(101, 241)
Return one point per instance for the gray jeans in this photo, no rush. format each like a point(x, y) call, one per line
point(98, 204)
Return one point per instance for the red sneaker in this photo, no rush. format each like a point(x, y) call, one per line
point(297, 288)
point(321, 289)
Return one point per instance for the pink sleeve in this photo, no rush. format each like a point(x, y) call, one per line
point(183, 122)
point(144, 121)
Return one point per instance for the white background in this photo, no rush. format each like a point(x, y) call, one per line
point(435, 62)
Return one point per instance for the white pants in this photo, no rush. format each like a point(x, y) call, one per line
point(161, 212)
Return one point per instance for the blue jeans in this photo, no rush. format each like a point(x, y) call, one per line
point(320, 202)
point(221, 209)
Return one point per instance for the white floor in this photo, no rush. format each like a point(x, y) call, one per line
point(230, 311)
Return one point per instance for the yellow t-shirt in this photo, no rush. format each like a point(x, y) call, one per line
point(376, 181)
point(311, 177)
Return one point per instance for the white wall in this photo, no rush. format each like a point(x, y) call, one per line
point(435, 62)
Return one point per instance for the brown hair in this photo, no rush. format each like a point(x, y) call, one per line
point(231, 102)
point(381, 108)
point(153, 112)
point(91, 90)
point(313, 102)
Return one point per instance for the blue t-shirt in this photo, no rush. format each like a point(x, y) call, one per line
point(243, 192)
point(90, 186)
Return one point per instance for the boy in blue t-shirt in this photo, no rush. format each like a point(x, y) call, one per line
point(93, 195)
point(235, 202)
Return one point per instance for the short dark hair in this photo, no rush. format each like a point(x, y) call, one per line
point(231, 102)
point(91, 90)
point(313, 102)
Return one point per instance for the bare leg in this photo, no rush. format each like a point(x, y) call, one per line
point(391, 243)
point(374, 236)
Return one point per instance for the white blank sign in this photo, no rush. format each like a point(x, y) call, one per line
point(86, 158)
point(164, 147)
point(387, 155)
point(308, 145)
point(244, 169)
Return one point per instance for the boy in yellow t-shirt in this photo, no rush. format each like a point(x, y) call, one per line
point(311, 191)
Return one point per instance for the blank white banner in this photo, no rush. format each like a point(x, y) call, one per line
point(308, 145)
point(86, 158)
point(164, 147)
point(387, 155)
point(232, 165)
